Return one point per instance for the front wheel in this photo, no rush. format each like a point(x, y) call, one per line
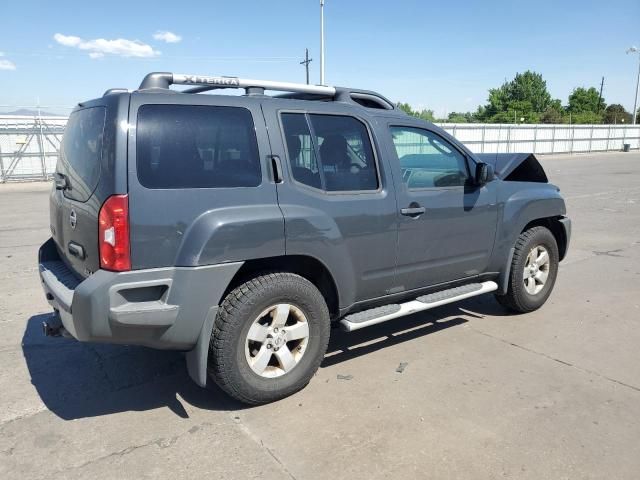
point(269, 337)
point(534, 269)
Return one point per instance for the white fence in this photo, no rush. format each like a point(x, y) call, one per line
point(29, 145)
point(504, 138)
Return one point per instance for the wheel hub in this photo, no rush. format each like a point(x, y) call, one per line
point(536, 270)
point(277, 340)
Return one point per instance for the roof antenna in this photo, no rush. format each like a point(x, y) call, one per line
point(321, 42)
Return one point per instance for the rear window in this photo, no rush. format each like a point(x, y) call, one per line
point(186, 146)
point(81, 152)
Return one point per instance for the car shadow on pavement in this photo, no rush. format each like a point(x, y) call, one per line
point(345, 346)
point(77, 380)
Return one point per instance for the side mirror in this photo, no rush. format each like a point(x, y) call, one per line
point(60, 181)
point(484, 173)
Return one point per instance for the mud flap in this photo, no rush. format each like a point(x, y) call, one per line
point(503, 281)
point(197, 358)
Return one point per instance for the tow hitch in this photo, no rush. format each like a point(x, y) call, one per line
point(53, 327)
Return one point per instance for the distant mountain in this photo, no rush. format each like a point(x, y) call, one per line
point(31, 113)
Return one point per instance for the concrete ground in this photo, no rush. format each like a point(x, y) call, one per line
point(550, 395)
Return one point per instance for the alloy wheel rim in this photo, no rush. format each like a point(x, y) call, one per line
point(277, 340)
point(536, 270)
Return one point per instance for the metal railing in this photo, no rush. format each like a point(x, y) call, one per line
point(29, 145)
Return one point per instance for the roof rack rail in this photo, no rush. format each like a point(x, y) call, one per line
point(204, 82)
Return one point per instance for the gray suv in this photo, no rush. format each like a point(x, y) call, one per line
point(240, 228)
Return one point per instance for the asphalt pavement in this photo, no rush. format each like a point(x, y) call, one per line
point(463, 391)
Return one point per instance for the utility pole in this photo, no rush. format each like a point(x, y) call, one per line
point(306, 62)
point(635, 103)
point(321, 42)
point(600, 97)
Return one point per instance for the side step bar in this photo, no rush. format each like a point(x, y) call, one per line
point(366, 318)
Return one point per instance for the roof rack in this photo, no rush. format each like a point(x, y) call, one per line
point(203, 83)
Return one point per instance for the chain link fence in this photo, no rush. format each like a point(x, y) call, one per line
point(29, 145)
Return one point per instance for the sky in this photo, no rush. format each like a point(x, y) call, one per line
point(432, 54)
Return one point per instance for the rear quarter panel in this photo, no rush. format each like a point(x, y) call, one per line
point(203, 226)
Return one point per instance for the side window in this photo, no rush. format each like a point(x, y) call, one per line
point(346, 155)
point(427, 160)
point(344, 160)
point(193, 146)
point(302, 155)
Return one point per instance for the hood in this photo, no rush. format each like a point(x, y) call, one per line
point(515, 167)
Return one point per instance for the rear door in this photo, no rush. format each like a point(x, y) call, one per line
point(200, 191)
point(91, 161)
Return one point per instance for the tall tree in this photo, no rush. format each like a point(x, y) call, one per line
point(583, 100)
point(526, 96)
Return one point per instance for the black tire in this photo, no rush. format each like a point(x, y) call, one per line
point(228, 365)
point(517, 298)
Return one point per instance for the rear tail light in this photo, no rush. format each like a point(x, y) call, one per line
point(113, 234)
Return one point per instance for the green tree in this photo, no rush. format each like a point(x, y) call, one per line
point(424, 114)
point(583, 100)
point(588, 118)
point(405, 107)
point(551, 115)
point(526, 96)
point(616, 113)
point(458, 117)
point(554, 113)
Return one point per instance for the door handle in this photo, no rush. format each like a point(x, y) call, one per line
point(413, 210)
point(276, 168)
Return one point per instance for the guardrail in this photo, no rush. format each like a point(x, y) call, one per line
point(29, 145)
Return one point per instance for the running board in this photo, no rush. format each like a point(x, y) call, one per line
point(366, 318)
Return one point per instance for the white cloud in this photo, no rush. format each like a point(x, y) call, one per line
point(67, 40)
point(100, 47)
point(6, 64)
point(166, 36)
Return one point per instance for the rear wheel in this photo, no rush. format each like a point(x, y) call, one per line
point(269, 337)
point(534, 269)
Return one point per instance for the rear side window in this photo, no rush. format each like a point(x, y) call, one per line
point(336, 157)
point(187, 146)
point(302, 154)
point(81, 152)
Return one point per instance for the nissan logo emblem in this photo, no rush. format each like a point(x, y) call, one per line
point(73, 219)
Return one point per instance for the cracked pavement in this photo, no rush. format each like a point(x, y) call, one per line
point(552, 394)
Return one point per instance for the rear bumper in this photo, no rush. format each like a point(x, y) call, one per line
point(161, 307)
